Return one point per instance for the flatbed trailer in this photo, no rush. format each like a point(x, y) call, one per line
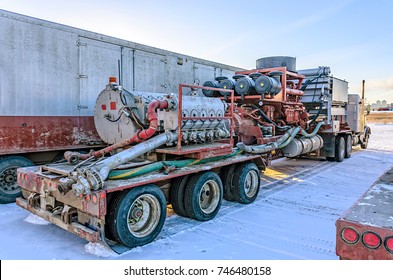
point(365, 231)
point(88, 216)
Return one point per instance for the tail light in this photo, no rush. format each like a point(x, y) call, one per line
point(371, 240)
point(349, 235)
point(389, 244)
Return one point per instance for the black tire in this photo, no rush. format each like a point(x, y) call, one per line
point(339, 149)
point(364, 143)
point(9, 189)
point(226, 175)
point(203, 196)
point(348, 146)
point(246, 182)
point(176, 195)
point(136, 217)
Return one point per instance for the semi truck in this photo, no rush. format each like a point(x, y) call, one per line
point(50, 75)
point(191, 149)
point(365, 230)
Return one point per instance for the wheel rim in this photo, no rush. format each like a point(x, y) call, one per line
point(251, 184)
point(209, 197)
point(144, 215)
point(8, 180)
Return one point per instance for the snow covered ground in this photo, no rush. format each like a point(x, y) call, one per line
point(293, 217)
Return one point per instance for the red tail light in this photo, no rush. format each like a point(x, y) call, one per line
point(371, 240)
point(349, 235)
point(389, 244)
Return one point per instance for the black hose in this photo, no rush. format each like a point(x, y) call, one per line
point(314, 118)
point(266, 118)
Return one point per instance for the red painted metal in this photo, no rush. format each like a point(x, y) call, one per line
point(138, 137)
point(25, 134)
point(357, 250)
point(226, 149)
point(75, 228)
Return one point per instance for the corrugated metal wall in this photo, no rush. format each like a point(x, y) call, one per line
point(48, 69)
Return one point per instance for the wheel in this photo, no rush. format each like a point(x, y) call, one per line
point(203, 196)
point(348, 146)
point(176, 195)
point(246, 182)
point(339, 151)
point(136, 217)
point(367, 133)
point(9, 189)
point(226, 175)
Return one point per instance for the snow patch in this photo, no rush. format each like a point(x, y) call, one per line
point(34, 219)
point(369, 197)
point(368, 204)
point(99, 250)
point(387, 187)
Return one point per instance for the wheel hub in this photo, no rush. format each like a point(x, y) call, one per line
point(8, 180)
point(209, 196)
point(136, 213)
point(143, 215)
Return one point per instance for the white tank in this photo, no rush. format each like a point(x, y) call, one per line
point(119, 114)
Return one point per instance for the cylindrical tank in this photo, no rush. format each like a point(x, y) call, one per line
point(267, 85)
point(302, 145)
point(322, 70)
point(277, 61)
point(119, 114)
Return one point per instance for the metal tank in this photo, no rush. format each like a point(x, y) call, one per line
point(277, 61)
point(303, 145)
point(119, 114)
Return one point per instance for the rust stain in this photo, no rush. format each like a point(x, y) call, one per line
point(22, 134)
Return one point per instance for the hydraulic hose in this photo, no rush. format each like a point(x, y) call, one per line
point(266, 118)
point(134, 172)
point(74, 157)
point(312, 134)
point(284, 140)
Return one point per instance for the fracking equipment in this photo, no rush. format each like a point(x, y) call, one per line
point(50, 76)
point(191, 149)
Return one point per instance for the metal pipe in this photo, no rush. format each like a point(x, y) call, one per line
point(118, 159)
point(74, 157)
point(131, 173)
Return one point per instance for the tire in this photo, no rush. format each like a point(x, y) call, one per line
point(136, 217)
point(203, 196)
point(246, 182)
point(339, 151)
point(176, 195)
point(226, 175)
point(364, 144)
point(9, 189)
point(348, 146)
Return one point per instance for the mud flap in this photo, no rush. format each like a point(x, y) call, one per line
point(113, 245)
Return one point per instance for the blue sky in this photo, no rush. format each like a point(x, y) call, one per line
point(353, 37)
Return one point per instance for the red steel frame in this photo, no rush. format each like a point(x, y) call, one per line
point(202, 151)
